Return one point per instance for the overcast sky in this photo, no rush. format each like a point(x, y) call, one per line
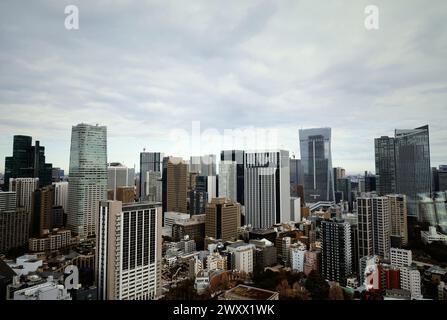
point(145, 68)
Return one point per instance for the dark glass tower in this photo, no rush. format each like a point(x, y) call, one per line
point(27, 161)
point(413, 170)
point(385, 165)
point(316, 159)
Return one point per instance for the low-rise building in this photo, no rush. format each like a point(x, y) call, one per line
point(243, 292)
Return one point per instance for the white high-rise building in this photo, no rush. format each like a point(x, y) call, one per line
point(87, 177)
point(24, 188)
point(401, 257)
point(119, 175)
point(128, 257)
point(61, 194)
point(297, 258)
point(267, 188)
point(211, 187)
point(228, 180)
point(243, 257)
point(410, 280)
point(295, 209)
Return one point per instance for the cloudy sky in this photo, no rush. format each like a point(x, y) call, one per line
point(147, 69)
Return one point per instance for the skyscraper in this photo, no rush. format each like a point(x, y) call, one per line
point(128, 258)
point(237, 156)
point(296, 177)
point(61, 194)
point(336, 259)
point(222, 219)
point(365, 226)
point(119, 175)
point(267, 188)
point(24, 188)
point(385, 159)
point(382, 225)
point(399, 227)
point(374, 225)
point(42, 213)
point(14, 223)
point(87, 178)
point(413, 170)
point(27, 161)
point(174, 185)
point(149, 161)
point(208, 165)
point(227, 179)
point(315, 147)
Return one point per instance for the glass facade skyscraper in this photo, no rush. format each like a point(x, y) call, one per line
point(316, 159)
point(27, 161)
point(413, 170)
point(149, 161)
point(87, 177)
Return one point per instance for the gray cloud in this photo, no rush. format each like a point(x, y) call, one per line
point(144, 68)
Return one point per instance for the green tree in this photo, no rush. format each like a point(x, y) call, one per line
point(317, 286)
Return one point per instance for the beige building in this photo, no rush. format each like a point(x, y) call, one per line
point(222, 219)
point(176, 187)
point(398, 209)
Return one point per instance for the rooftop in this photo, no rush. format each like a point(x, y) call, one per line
point(243, 292)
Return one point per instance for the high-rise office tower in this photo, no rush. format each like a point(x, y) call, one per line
point(222, 219)
point(154, 186)
point(413, 171)
point(61, 194)
point(344, 186)
point(267, 188)
point(208, 165)
point(119, 175)
point(174, 185)
point(315, 146)
point(227, 179)
point(365, 226)
point(434, 179)
point(195, 164)
point(296, 177)
point(339, 173)
point(237, 156)
point(42, 213)
point(24, 188)
point(382, 225)
point(442, 178)
point(198, 199)
point(399, 227)
point(14, 223)
point(336, 262)
point(385, 159)
point(149, 161)
point(27, 161)
point(128, 257)
point(87, 178)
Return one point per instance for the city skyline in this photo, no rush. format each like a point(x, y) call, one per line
point(209, 64)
